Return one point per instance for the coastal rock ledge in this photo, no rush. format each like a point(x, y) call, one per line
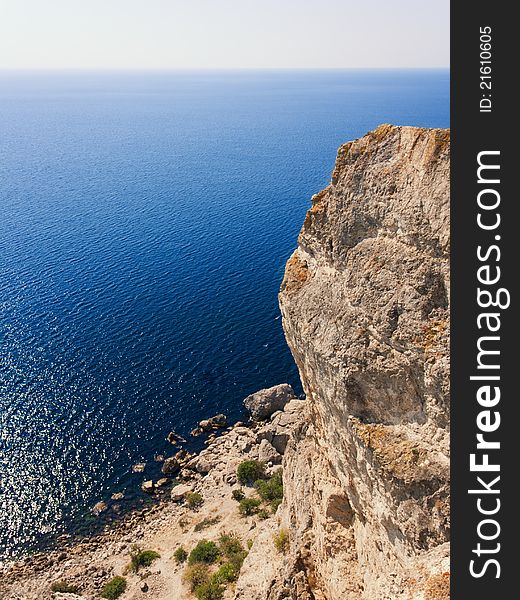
point(365, 457)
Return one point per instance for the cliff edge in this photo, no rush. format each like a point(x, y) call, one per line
point(365, 307)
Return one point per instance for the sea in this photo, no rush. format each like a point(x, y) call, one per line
point(145, 221)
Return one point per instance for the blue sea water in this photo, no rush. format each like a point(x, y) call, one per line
point(145, 220)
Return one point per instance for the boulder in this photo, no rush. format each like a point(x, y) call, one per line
point(148, 487)
point(182, 456)
point(179, 491)
point(262, 404)
point(170, 465)
point(268, 453)
point(99, 507)
point(216, 422)
point(174, 438)
point(203, 465)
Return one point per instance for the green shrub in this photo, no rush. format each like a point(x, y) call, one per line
point(226, 573)
point(249, 506)
point(64, 587)
point(194, 499)
point(275, 504)
point(142, 558)
point(196, 575)
point(180, 555)
point(204, 552)
point(114, 588)
point(238, 495)
point(271, 489)
point(211, 590)
point(230, 544)
point(249, 471)
point(263, 514)
point(231, 547)
point(281, 541)
point(249, 544)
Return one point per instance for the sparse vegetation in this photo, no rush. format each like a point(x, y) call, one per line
point(205, 585)
point(211, 590)
point(205, 523)
point(180, 555)
point(271, 490)
point(194, 499)
point(204, 552)
point(226, 573)
point(238, 495)
point(64, 587)
point(114, 588)
point(249, 506)
point(196, 575)
point(263, 514)
point(249, 544)
point(281, 541)
point(142, 558)
point(231, 547)
point(275, 504)
point(249, 471)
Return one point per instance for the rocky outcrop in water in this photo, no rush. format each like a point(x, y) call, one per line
point(365, 309)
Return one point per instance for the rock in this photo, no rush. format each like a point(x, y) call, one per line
point(144, 587)
point(186, 474)
point(182, 456)
point(179, 491)
point(279, 441)
point(170, 466)
point(174, 438)
point(241, 430)
point(267, 453)
point(197, 431)
point(262, 404)
point(203, 465)
point(231, 479)
point(148, 487)
point(295, 406)
point(163, 482)
point(138, 468)
point(99, 508)
point(117, 496)
point(216, 422)
point(365, 311)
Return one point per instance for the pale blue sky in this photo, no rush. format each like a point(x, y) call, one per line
point(159, 34)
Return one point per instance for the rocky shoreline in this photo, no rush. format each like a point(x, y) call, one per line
point(88, 563)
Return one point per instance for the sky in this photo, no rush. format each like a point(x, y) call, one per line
point(223, 34)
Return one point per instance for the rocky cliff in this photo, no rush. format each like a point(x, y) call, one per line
point(365, 306)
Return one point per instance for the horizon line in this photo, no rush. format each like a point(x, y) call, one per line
point(221, 69)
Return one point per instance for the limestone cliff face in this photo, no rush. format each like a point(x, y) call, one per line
point(365, 309)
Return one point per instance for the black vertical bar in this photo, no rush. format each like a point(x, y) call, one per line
point(482, 120)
